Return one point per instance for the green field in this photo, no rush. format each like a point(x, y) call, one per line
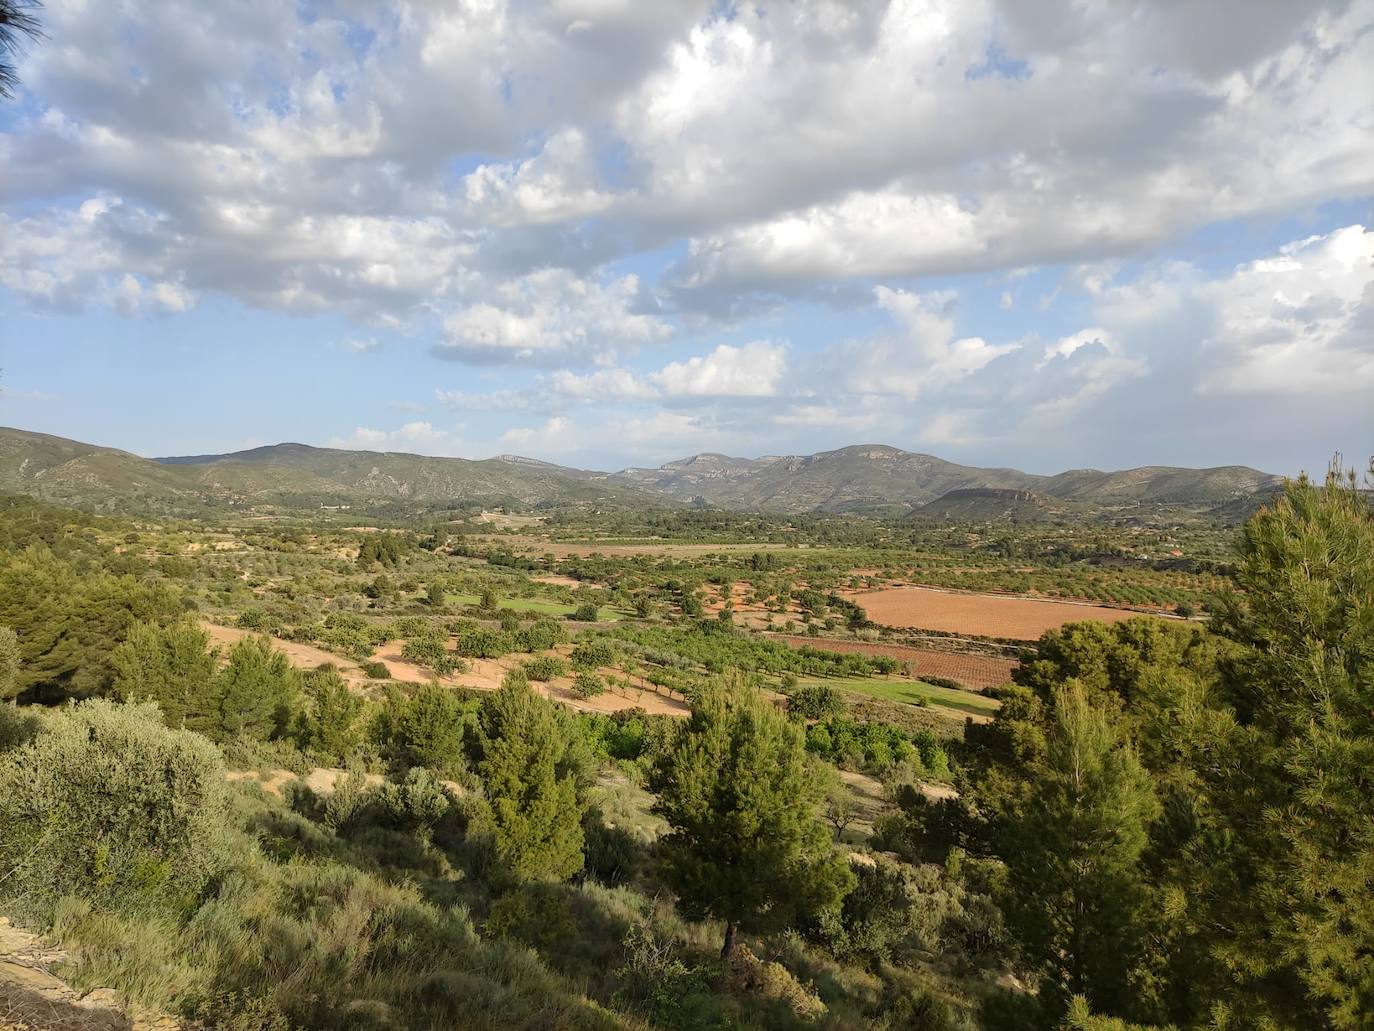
point(912, 692)
point(543, 606)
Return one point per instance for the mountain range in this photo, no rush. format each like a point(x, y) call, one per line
point(873, 479)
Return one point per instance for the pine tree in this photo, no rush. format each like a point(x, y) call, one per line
point(532, 772)
point(256, 691)
point(1300, 795)
point(741, 796)
point(173, 666)
point(1076, 886)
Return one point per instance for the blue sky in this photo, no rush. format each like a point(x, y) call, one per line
point(605, 233)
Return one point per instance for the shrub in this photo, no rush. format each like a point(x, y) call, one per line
point(431, 653)
point(109, 804)
point(586, 612)
point(593, 654)
point(527, 758)
point(375, 670)
point(331, 726)
point(418, 802)
point(816, 702)
point(541, 635)
point(588, 685)
point(477, 642)
point(256, 691)
point(545, 667)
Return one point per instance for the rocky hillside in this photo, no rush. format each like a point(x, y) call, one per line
point(877, 478)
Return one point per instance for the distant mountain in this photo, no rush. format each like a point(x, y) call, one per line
point(881, 479)
point(294, 476)
point(870, 479)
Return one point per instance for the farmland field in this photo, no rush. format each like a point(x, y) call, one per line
point(976, 672)
point(985, 615)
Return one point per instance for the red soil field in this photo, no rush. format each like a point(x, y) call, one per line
point(986, 615)
point(975, 672)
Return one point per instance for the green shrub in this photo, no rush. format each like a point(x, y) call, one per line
point(545, 667)
point(588, 685)
point(816, 702)
point(418, 802)
point(375, 670)
point(256, 692)
point(586, 612)
point(593, 654)
point(109, 804)
point(431, 653)
point(541, 635)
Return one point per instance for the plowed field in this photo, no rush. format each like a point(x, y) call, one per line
point(986, 615)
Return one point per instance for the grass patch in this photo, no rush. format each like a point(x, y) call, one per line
point(912, 692)
point(543, 606)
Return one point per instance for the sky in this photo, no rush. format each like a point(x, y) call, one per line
point(609, 232)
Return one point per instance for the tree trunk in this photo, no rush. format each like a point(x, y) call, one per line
point(728, 949)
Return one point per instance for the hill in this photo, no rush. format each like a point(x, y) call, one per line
point(294, 476)
point(870, 479)
point(880, 479)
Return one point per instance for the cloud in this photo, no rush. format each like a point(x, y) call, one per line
point(361, 345)
point(421, 437)
point(552, 317)
point(752, 370)
point(920, 353)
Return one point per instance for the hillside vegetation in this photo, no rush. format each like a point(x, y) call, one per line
point(867, 479)
point(669, 819)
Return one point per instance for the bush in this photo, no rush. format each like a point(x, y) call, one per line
point(332, 725)
point(477, 642)
point(431, 653)
point(586, 612)
point(593, 654)
point(374, 670)
point(109, 804)
point(588, 685)
point(418, 802)
point(256, 692)
point(545, 668)
point(541, 635)
point(817, 702)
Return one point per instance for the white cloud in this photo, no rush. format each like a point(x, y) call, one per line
point(1298, 322)
point(361, 345)
point(552, 317)
point(419, 436)
point(921, 353)
point(752, 370)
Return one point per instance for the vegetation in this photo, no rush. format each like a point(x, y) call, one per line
point(741, 796)
point(217, 801)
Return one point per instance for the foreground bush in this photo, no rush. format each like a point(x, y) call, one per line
point(109, 804)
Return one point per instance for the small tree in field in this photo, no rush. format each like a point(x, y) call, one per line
point(741, 795)
point(528, 763)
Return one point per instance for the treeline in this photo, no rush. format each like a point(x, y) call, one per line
point(1185, 818)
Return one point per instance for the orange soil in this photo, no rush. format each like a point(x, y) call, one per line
point(972, 671)
point(982, 614)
